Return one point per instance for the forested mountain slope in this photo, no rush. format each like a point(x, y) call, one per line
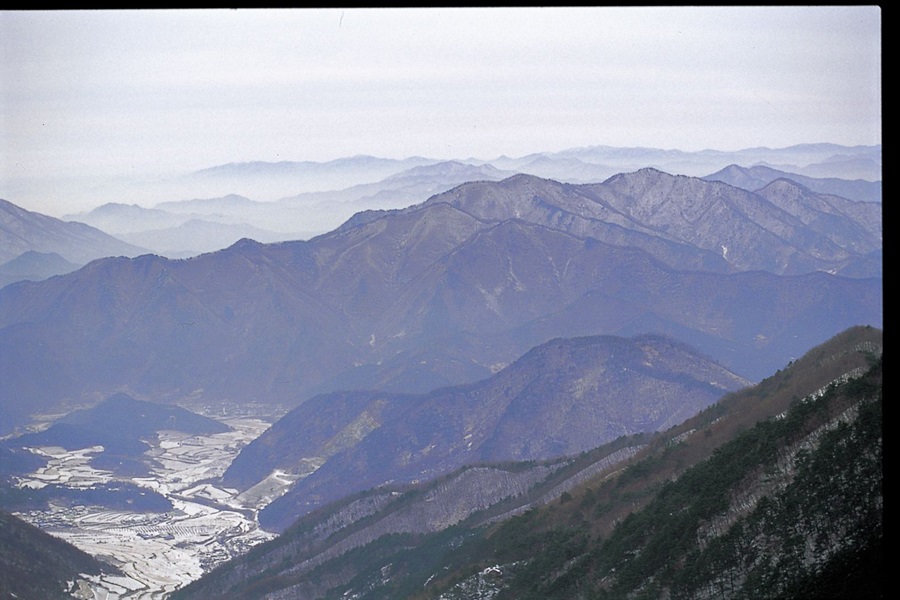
point(773, 492)
point(34, 564)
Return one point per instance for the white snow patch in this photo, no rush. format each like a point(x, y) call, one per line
point(157, 552)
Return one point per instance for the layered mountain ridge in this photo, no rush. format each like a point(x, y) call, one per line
point(774, 491)
point(561, 398)
point(759, 176)
point(447, 292)
point(24, 231)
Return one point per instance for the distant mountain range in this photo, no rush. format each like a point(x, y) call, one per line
point(23, 231)
point(35, 266)
point(299, 200)
point(179, 229)
point(187, 228)
point(597, 163)
point(451, 290)
point(334, 174)
point(757, 177)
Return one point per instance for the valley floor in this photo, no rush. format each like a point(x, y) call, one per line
point(157, 552)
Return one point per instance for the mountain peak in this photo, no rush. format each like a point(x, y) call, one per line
point(785, 184)
point(246, 244)
point(520, 177)
point(561, 398)
point(24, 230)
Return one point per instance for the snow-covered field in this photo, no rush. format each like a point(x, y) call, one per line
point(157, 552)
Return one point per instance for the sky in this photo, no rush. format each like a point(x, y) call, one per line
point(94, 94)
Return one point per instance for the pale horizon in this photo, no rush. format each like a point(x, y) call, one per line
point(90, 97)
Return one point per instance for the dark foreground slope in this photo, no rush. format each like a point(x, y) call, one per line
point(34, 564)
point(773, 492)
point(792, 508)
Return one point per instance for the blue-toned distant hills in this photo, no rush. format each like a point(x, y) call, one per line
point(446, 291)
point(22, 231)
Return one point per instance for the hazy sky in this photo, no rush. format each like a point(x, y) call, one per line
point(138, 92)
